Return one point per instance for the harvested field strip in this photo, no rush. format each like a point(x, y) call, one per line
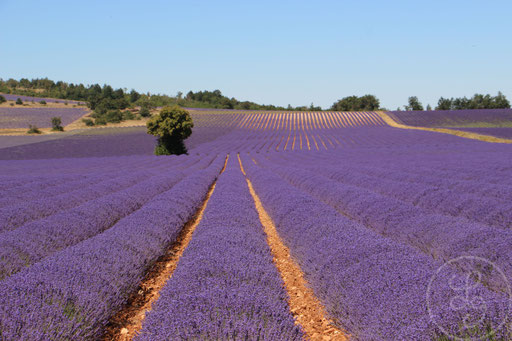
point(127, 323)
point(460, 133)
point(307, 309)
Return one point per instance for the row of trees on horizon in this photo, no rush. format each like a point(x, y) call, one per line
point(103, 99)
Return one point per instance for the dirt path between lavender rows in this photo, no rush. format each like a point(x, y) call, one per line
point(304, 305)
point(459, 133)
point(127, 323)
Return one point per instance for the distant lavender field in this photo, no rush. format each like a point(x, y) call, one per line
point(90, 143)
point(455, 118)
point(498, 132)
point(12, 118)
point(11, 97)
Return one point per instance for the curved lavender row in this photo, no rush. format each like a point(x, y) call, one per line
point(72, 294)
point(371, 286)
point(439, 236)
point(401, 171)
point(227, 268)
point(14, 216)
point(489, 211)
point(489, 167)
point(51, 186)
point(37, 240)
point(68, 165)
point(14, 185)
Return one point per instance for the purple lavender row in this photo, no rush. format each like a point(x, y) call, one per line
point(37, 240)
point(31, 168)
point(398, 169)
point(52, 185)
point(15, 215)
point(441, 237)
point(14, 185)
point(72, 294)
point(371, 286)
point(490, 211)
point(226, 286)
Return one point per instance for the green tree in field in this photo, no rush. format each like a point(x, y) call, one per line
point(172, 126)
point(19, 101)
point(414, 104)
point(57, 124)
point(2, 99)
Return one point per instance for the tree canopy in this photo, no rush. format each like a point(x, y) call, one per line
point(355, 103)
point(478, 101)
point(414, 104)
point(172, 126)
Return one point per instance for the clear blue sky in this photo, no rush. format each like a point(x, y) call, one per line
point(271, 52)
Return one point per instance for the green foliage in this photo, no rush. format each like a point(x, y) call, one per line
point(88, 122)
point(43, 102)
point(19, 101)
point(100, 121)
point(354, 103)
point(113, 116)
point(414, 104)
point(478, 101)
point(172, 126)
point(144, 112)
point(57, 124)
point(2, 99)
point(32, 129)
point(128, 115)
point(134, 96)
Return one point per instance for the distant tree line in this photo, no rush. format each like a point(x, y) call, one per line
point(355, 103)
point(478, 101)
point(110, 105)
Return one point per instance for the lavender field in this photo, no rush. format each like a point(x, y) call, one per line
point(398, 234)
point(11, 97)
point(455, 118)
point(21, 117)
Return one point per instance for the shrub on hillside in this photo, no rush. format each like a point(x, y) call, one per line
point(144, 112)
point(88, 122)
point(100, 121)
point(57, 124)
point(2, 99)
point(42, 102)
point(32, 129)
point(128, 115)
point(19, 101)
